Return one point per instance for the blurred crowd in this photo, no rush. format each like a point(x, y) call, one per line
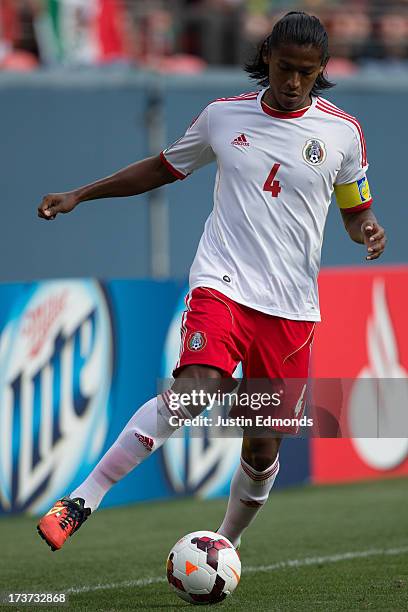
point(188, 35)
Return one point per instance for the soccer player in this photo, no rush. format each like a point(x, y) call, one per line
point(281, 152)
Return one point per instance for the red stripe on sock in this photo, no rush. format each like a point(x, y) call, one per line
point(260, 477)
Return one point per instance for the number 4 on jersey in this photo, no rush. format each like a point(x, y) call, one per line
point(272, 185)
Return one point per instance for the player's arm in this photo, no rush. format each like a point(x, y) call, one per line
point(137, 178)
point(354, 200)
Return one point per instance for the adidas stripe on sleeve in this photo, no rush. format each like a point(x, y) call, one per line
point(351, 186)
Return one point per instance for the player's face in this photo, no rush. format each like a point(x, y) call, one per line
point(293, 70)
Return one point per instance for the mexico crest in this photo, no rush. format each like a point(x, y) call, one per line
point(314, 152)
point(197, 341)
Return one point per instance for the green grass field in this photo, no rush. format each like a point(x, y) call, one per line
point(311, 549)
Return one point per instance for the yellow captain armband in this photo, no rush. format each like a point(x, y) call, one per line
point(353, 197)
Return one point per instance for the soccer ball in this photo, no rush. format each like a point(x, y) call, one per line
point(203, 567)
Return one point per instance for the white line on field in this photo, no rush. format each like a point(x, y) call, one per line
point(358, 554)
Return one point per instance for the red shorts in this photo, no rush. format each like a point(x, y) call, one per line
point(218, 332)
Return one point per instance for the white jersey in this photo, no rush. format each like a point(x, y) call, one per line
point(276, 174)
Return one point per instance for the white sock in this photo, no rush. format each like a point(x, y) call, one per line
point(249, 491)
point(146, 431)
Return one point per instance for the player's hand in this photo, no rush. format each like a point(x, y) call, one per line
point(374, 238)
point(55, 203)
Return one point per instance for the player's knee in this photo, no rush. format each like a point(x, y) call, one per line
point(260, 453)
point(198, 373)
point(196, 382)
point(260, 462)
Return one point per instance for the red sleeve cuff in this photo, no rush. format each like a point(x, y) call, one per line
point(356, 209)
point(172, 169)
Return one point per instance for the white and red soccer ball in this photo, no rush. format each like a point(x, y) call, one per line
point(203, 567)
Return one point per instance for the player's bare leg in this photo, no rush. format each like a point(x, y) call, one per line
point(145, 432)
point(250, 485)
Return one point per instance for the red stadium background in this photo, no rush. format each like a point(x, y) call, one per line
point(364, 334)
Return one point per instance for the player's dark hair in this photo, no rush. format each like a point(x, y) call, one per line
point(297, 28)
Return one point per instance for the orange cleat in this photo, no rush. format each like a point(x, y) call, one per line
point(64, 518)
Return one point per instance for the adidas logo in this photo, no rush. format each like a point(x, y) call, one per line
point(145, 440)
point(241, 140)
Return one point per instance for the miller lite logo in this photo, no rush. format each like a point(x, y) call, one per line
point(55, 375)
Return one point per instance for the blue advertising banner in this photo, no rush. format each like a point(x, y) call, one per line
point(77, 358)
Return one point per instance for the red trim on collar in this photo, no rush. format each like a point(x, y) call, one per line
point(283, 114)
